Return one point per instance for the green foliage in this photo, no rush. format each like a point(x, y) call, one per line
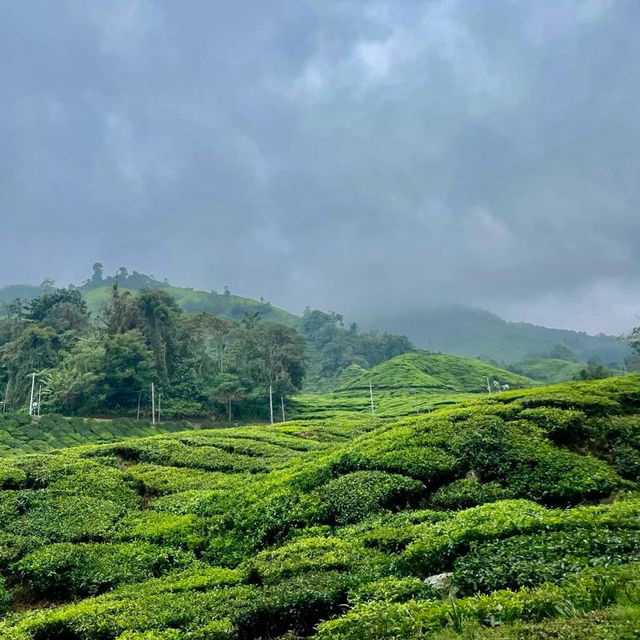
point(267, 531)
point(513, 454)
point(547, 370)
point(65, 570)
point(393, 589)
point(54, 517)
point(468, 492)
point(415, 619)
point(421, 369)
point(440, 543)
point(20, 433)
point(168, 529)
point(354, 496)
point(315, 554)
point(530, 560)
point(338, 348)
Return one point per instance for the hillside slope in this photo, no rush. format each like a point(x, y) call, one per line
point(479, 519)
point(193, 301)
point(421, 369)
point(459, 330)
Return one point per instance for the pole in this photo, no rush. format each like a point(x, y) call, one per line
point(373, 409)
point(159, 405)
point(488, 385)
point(282, 403)
point(139, 398)
point(153, 403)
point(39, 398)
point(33, 386)
point(271, 402)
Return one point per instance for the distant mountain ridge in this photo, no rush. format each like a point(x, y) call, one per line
point(455, 329)
point(476, 333)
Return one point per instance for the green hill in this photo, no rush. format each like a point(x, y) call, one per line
point(424, 370)
point(458, 330)
point(549, 370)
point(193, 301)
point(510, 516)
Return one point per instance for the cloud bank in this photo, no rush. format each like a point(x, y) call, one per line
point(348, 154)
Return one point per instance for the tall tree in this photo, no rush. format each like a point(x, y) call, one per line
point(160, 325)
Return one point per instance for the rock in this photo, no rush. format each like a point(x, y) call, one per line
point(440, 581)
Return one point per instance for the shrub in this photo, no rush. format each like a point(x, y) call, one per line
point(158, 480)
point(65, 518)
point(530, 560)
point(414, 619)
point(626, 461)
point(468, 492)
point(78, 570)
point(353, 497)
point(315, 554)
point(12, 477)
point(440, 543)
point(163, 528)
point(393, 589)
point(518, 457)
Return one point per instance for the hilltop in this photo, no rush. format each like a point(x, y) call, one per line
point(425, 370)
point(500, 517)
point(458, 330)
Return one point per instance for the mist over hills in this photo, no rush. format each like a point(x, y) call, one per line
point(456, 329)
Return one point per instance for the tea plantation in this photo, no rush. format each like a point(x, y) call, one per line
point(19, 432)
point(408, 384)
point(510, 516)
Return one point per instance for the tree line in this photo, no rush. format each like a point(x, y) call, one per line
point(201, 364)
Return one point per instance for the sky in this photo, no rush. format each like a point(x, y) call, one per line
point(371, 157)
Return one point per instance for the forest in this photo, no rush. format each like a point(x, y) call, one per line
point(201, 364)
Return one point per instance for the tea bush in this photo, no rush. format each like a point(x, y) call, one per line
point(530, 560)
point(64, 570)
point(354, 496)
point(267, 531)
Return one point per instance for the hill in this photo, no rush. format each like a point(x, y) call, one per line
point(458, 330)
point(424, 370)
point(511, 516)
point(226, 305)
point(548, 370)
point(470, 332)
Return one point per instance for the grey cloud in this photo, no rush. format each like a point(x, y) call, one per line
point(358, 155)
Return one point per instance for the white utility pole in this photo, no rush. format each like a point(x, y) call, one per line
point(159, 405)
point(139, 398)
point(282, 403)
point(153, 403)
point(271, 402)
point(33, 386)
point(373, 409)
point(488, 385)
point(39, 397)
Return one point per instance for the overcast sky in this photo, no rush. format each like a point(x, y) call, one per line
point(352, 155)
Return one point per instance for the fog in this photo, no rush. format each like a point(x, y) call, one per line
point(362, 156)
